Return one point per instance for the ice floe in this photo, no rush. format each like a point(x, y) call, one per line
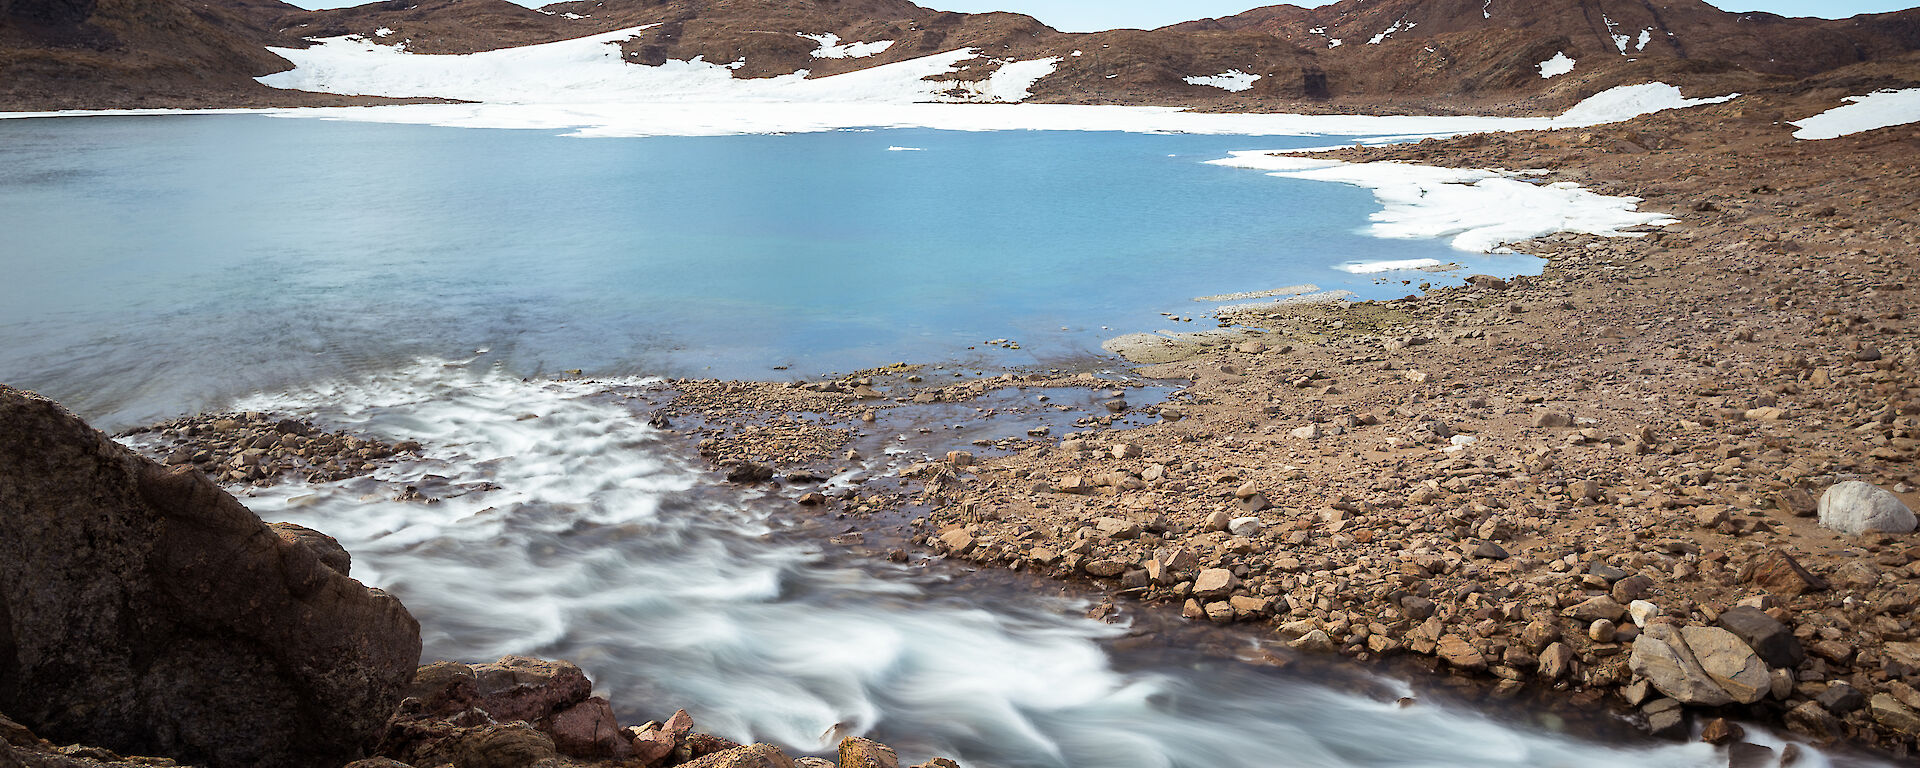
point(1395, 265)
point(1863, 113)
point(1232, 80)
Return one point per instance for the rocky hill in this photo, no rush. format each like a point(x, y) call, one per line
point(1438, 56)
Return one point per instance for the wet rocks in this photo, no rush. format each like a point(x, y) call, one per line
point(857, 752)
point(749, 756)
point(261, 448)
point(166, 590)
point(1855, 508)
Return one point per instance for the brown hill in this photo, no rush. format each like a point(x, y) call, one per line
point(1626, 29)
point(1408, 55)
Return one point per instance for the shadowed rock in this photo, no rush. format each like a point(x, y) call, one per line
point(147, 611)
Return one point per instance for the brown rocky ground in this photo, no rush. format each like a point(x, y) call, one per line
point(1651, 419)
point(1644, 430)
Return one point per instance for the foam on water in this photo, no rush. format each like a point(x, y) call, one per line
point(598, 541)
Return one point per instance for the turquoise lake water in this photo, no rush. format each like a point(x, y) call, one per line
point(163, 264)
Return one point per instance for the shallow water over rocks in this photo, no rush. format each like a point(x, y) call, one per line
point(583, 533)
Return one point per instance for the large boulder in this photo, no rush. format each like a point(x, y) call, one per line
point(145, 610)
point(1708, 666)
point(1854, 508)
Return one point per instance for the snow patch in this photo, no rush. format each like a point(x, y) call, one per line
point(1646, 36)
point(1863, 113)
point(832, 48)
point(1556, 66)
point(382, 32)
point(1397, 26)
point(1014, 81)
point(1619, 40)
point(1232, 80)
point(1477, 210)
point(1486, 11)
point(1630, 101)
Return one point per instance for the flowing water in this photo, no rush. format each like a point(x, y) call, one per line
point(349, 273)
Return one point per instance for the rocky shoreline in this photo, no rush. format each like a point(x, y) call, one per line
point(1671, 476)
point(1641, 479)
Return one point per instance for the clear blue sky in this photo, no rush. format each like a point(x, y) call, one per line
point(1093, 15)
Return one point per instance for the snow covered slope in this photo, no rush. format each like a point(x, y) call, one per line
point(590, 70)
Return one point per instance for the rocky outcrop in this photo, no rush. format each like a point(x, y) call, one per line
point(1855, 508)
point(147, 611)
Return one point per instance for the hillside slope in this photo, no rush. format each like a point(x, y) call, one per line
point(1432, 56)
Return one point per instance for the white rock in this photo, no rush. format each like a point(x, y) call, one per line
point(1245, 526)
point(1642, 612)
point(1854, 508)
point(1308, 432)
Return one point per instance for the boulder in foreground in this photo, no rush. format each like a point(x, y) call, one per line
point(145, 610)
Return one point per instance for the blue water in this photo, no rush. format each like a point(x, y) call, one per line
point(163, 264)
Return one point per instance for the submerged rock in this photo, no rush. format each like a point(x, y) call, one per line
point(145, 610)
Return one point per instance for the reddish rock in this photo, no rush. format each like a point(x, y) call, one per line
point(1777, 572)
point(589, 730)
point(856, 752)
point(750, 756)
point(522, 688)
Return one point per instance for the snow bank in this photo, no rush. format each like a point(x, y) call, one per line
point(832, 48)
point(589, 70)
point(1556, 66)
point(1863, 113)
point(582, 87)
point(1630, 101)
point(1479, 210)
point(1014, 81)
point(1232, 80)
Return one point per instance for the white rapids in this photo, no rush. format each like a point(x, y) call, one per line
point(569, 528)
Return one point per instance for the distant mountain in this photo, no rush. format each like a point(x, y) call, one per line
point(1406, 55)
point(1680, 29)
